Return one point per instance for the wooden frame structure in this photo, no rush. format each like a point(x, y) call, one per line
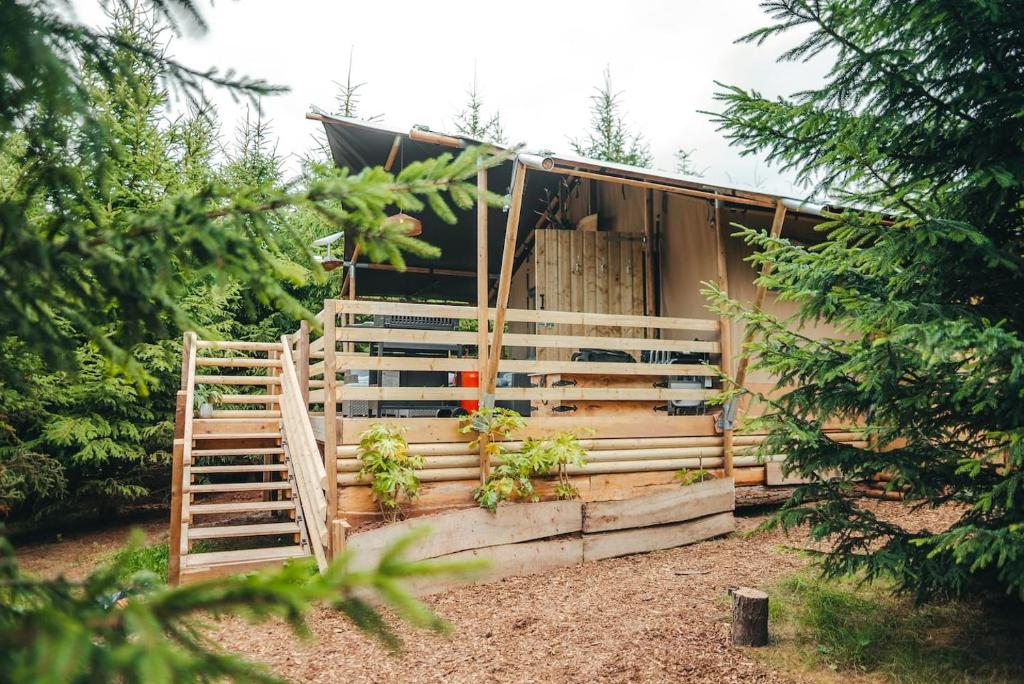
point(633, 450)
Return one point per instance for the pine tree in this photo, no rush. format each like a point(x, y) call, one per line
point(105, 252)
point(917, 128)
point(685, 165)
point(349, 96)
point(473, 123)
point(65, 264)
point(609, 137)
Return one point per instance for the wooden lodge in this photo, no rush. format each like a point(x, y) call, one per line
point(579, 305)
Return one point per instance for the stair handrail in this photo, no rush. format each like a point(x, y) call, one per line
point(304, 455)
point(182, 459)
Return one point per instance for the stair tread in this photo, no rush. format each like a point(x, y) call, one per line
point(241, 507)
point(237, 435)
point(265, 554)
point(254, 451)
point(251, 530)
point(237, 486)
point(247, 468)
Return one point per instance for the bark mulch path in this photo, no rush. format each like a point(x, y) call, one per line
point(640, 618)
point(658, 617)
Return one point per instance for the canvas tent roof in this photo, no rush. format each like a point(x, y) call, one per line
point(357, 144)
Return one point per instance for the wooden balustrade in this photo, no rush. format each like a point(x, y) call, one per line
point(610, 332)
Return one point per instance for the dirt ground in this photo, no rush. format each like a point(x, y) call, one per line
point(658, 617)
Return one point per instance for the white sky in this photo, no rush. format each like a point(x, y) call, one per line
point(537, 62)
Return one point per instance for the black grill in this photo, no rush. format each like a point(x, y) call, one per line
point(416, 322)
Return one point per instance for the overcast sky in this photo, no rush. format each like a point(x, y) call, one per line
point(536, 62)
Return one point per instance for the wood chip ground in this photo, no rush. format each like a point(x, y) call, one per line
point(657, 617)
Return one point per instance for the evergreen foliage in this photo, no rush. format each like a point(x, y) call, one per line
point(139, 231)
point(107, 628)
point(609, 138)
point(117, 231)
point(685, 165)
point(473, 123)
point(918, 125)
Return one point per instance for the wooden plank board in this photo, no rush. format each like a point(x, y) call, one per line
point(578, 286)
point(242, 507)
point(202, 427)
point(266, 554)
point(456, 531)
point(528, 315)
point(509, 560)
point(541, 294)
point(237, 346)
point(236, 380)
point(422, 430)
point(256, 530)
point(236, 362)
point(367, 362)
point(590, 280)
point(357, 392)
point(514, 340)
point(695, 501)
point(636, 275)
point(641, 540)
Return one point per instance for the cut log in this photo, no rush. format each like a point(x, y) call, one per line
point(749, 617)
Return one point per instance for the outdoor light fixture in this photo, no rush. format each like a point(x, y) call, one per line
point(327, 261)
point(414, 227)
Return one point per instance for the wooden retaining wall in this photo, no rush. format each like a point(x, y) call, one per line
point(526, 538)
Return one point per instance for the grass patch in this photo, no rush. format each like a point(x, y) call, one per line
point(152, 557)
point(843, 628)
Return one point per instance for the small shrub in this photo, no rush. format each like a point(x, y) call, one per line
point(137, 557)
point(386, 459)
point(512, 478)
point(689, 477)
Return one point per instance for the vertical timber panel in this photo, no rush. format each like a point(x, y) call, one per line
point(590, 276)
point(578, 286)
point(636, 272)
point(540, 241)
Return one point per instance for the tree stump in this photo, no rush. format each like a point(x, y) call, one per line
point(749, 617)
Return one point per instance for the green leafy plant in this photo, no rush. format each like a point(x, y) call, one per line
point(512, 478)
point(386, 459)
point(493, 425)
point(689, 477)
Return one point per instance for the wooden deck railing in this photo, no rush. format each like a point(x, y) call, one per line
point(304, 455)
point(571, 330)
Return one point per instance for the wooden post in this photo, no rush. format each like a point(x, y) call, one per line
point(482, 305)
point(338, 532)
point(331, 414)
point(177, 476)
point(761, 292)
point(725, 332)
point(274, 391)
point(749, 617)
point(302, 361)
point(505, 277)
point(649, 254)
point(181, 465)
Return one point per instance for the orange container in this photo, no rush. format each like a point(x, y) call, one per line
point(469, 379)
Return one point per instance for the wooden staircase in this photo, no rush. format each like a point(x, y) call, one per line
point(245, 463)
